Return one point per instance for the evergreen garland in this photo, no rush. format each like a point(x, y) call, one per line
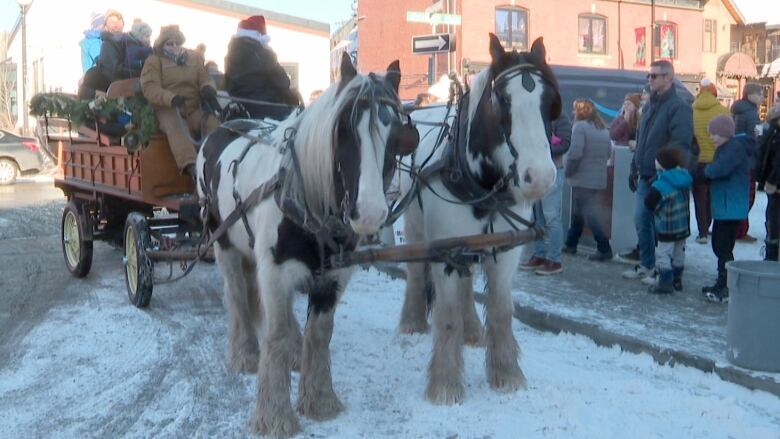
point(134, 113)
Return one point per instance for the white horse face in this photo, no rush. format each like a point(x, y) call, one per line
point(526, 102)
point(370, 134)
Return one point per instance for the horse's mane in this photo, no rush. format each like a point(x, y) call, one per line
point(315, 145)
point(476, 88)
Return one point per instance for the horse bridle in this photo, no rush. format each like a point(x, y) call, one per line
point(406, 127)
point(501, 103)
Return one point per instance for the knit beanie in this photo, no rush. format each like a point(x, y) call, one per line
point(670, 158)
point(707, 85)
point(722, 125)
point(751, 88)
point(140, 30)
point(255, 23)
point(97, 20)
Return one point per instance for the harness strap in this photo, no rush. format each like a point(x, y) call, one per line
point(260, 193)
point(236, 196)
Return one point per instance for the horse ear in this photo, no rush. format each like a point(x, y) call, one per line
point(393, 75)
point(538, 50)
point(497, 51)
point(347, 69)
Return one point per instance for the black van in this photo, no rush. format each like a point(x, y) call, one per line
point(607, 88)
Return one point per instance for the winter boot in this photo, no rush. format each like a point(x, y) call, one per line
point(677, 273)
point(718, 295)
point(665, 283)
point(719, 292)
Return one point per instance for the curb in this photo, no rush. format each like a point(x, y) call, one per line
point(547, 322)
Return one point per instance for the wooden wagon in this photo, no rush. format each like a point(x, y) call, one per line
point(138, 201)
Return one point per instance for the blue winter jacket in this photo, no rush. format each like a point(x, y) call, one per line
point(667, 120)
point(90, 48)
point(669, 202)
point(745, 115)
point(729, 179)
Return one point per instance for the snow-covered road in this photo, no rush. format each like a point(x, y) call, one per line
point(98, 367)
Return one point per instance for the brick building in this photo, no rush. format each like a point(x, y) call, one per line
point(591, 33)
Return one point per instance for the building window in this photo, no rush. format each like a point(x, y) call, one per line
point(665, 39)
point(291, 68)
point(773, 46)
point(592, 34)
point(512, 27)
point(710, 42)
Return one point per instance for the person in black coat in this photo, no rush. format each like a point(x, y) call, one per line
point(745, 113)
point(252, 72)
point(768, 177)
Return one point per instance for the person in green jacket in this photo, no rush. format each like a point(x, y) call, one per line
point(705, 108)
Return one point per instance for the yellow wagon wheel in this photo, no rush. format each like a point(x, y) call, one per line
point(139, 267)
point(76, 247)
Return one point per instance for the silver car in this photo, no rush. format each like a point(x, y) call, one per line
point(19, 156)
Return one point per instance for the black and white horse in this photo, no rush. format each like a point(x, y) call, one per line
point(498, 164)
point(336, 158)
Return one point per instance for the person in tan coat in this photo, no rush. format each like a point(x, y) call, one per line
point(174, 79)
point(705, 108)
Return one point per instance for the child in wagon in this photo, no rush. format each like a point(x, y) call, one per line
point(668, 200)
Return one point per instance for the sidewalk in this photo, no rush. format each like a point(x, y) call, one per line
point(593, 299)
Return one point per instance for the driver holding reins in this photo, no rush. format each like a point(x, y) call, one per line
point(175, 80)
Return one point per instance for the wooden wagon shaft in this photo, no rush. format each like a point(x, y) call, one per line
point(434, 250)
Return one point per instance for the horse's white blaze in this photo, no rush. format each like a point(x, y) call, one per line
point(370, 204)
point(530, 138)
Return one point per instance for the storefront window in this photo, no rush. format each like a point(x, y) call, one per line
point(512, 27)
point(592, 34)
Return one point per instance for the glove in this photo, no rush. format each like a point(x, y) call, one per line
point(178, 101)
point(208, 92)
point(212, 102)
point(633, 181)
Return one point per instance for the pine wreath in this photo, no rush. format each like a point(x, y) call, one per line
point(134, 113)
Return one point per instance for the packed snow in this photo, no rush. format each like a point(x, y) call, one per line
point(102, 368)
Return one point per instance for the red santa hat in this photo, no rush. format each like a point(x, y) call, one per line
point(255, 23)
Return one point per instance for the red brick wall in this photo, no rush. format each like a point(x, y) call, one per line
point(385, 35)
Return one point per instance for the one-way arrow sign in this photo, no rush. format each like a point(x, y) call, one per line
point(436, 43)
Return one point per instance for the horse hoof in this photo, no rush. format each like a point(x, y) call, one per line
point(283, 424)
point(414, 327)
point(445, 394)
point(320, 409)
point(507, 381)
point(244, 360)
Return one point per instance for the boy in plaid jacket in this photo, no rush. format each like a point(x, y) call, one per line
point(668, 200)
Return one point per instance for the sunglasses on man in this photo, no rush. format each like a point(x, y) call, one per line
point(655, 75)
point(170, 43)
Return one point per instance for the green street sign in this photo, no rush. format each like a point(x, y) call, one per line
point(423, 17)
point(445, 19)
point(417, 17)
